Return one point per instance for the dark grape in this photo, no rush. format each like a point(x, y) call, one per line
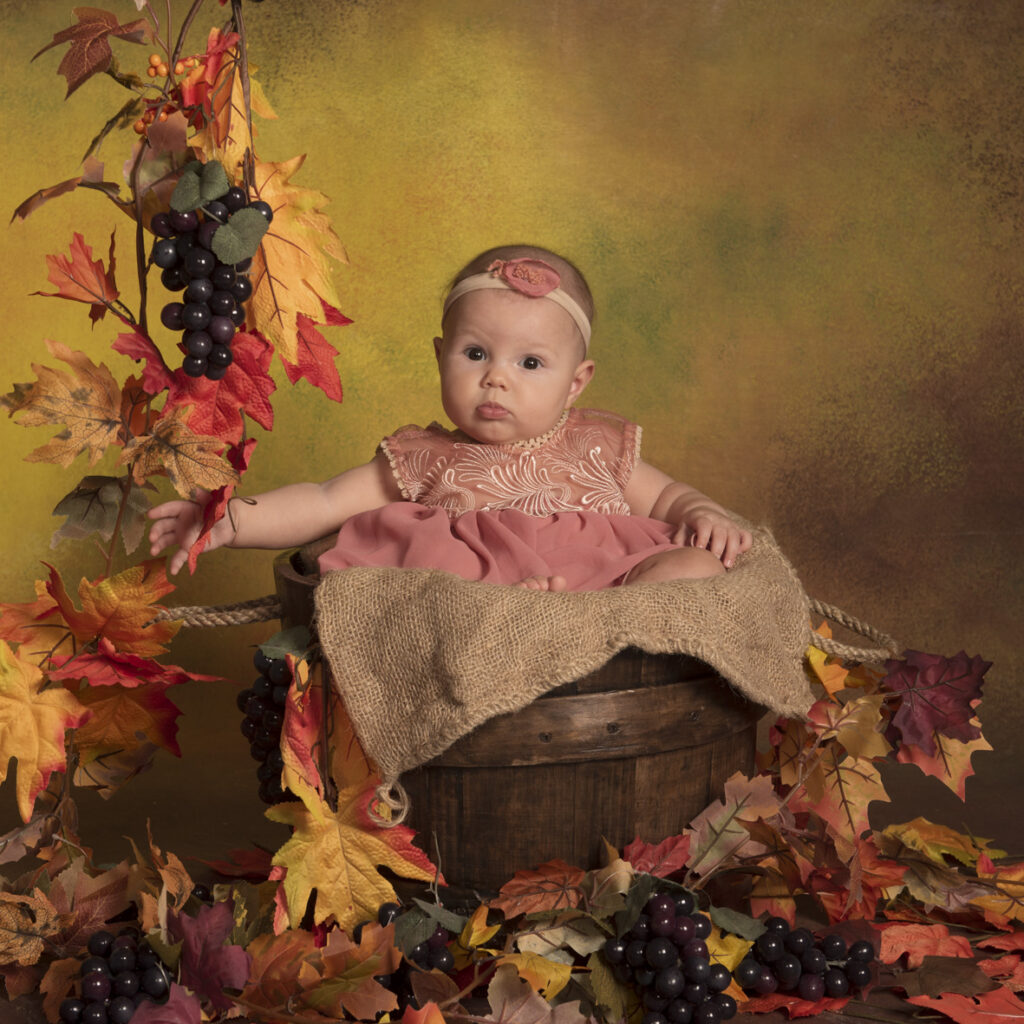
point(262, 208)
point(194, 366)
point(99, 943)
point(122, 959)
point(254, 708)
point(185, 244)
point(685, 904)
point(154, 981)
point(769, 946)
point(419, 953)
point(120, 1010)
point(644, 976)
point(234, 199)
point(223, 277)
point(442, 959)
point(726, 1006)
point(243, 265)
point(747, 972)
point(95, 985)
point(217, 209)
point(654, 1017)
point(197, 343)
point(767, 983)
point(683, 931)
point(679, 1011)
point(696, 969)
point(202, 893)
point(813, 961)
point(171, 316)
point(719, 979)
point(164, 253)
point(706, 1013)
point(146, 958)
point(701, 926)
point(438, 937)
point(387, 912)
point(635, 953)
point(623, 973)
point(777, 924)
point(195, 316)
point(660, 952)
point(221, 329)
point(95, 963)
point(221, 303)
point(160, 225)
point(670, 982)
point(174, 279)
point(276, 760)
point(262, 687)
point(652, 1001)
point(833, 947)
point(859, 973)
point(126, 983)
point(787, 970)
point(70, 1011)
point(660, 904)
point(697, 948)
point(199, 289)
point(663, 924)
point(280, 696)
point(798, 940)
point(695, 992)
point(257, 751)
point(220, 355)
point(811, 987)
point(200, 262)
point(280, 673)
point(261, 662)
point(265, 738)
point(215, 372)
point(184, 221)
point(95, 1013)
point(204, 236)
point(241, 289)
point(836, 983)
point(862, 951)
point(266, 771)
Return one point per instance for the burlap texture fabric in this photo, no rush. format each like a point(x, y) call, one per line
point(422, 657)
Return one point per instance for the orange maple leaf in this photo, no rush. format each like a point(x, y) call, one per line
point(32, 722)
point(1003, 900)
point(338, 855)
point(1000, 1006)
point(37, 626)
point(659, 860)
point(83, 279)
point(951, 761)
point(920, 940)
point(316, 355)
point(553, 885)
point(120, 608)
point(87, 401)
point(292, 272)
point(276, 963)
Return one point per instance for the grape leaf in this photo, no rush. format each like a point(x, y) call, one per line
point(188, 459)
point(120, 608)
point(32, 723)
point(82, 279)
point(939, 695)
point(93, 507)
point(717, 833)
point(661, 860)
point(239, 238)
point(338, 854)
point(292, 272)
point(87, 401)
point(918, 941)
point(218, 406)
point(90, 53)
point(553, 885)
point(951, 761)
point(26, 920)
point(315, 356)
point(216, 508)
point(209, 963)
point(1000, 1006)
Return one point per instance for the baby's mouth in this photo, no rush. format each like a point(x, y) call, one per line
point(491, 411)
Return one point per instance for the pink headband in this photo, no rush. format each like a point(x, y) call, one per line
point(530, 277)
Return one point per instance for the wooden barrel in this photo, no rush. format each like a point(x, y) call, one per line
point(635, 749)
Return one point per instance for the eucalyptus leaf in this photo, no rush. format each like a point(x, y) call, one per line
point(214, 181)
point(240, 237)
point(187, 193)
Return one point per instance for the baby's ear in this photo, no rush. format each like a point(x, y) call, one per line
point(581, 378)
point(438, 342)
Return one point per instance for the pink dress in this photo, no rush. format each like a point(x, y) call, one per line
point(499, 513)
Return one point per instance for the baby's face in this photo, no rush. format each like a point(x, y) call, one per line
point(510, 365)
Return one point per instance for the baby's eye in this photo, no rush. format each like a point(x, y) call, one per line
point(531, 363)
point(475, 353)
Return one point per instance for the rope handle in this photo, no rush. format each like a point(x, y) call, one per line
point(259, 609)
point(887, 646)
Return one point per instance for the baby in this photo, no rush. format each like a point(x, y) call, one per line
point(526, 490)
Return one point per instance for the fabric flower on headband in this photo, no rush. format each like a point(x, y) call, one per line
point(526, 276)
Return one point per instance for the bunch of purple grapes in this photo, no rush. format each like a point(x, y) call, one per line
point(794, 960)
point(263, 705)
point(664, 956)
point(210, 309)
point(119, 974)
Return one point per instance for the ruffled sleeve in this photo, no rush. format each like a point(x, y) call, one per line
point(417, 457)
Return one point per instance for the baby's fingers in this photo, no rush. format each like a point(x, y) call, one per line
point(738, 542)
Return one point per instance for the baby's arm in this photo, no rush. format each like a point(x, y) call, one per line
point(699, 522)
point(282, 518)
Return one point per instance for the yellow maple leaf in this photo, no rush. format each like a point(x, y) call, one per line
point(25, 921)
point(32, 724)
point(546, 976)
point(338, 855)
point(292, 271)
point(187, 459)
point(829, 672)
point(87, 401)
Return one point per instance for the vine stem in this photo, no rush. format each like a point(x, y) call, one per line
point(248, 169)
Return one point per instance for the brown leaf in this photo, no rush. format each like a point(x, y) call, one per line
point(83, 279)
point(91, 176)
point(172, 449)
point(90, 52)
point(939, 974)
point(87, 401)
point(25, 921)
point(552, 886)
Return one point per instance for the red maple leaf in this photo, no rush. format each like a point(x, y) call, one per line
point(90, 52)
point(662, 860)
point(253, 865)
point(83, 279)
point(939, 695)
point(108, 667)
point(316, 354)
point(920, 940)
point(1000, 1006)
point(216, 508)
point(793, 1005)
point(554, 885)
point(218, 405)
point(156, 377)
point(209, 963)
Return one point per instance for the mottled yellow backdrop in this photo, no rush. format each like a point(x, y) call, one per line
point(801, 220)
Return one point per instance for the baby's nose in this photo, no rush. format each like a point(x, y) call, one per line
point(494, 376)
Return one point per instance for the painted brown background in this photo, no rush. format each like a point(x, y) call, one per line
point(802, 224)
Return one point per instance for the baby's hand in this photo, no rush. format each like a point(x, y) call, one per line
point(180, 523)
point(711, 529)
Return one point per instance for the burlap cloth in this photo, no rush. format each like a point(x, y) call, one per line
point(422, 657)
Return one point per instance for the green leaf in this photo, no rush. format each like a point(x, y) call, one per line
point(412, 928)
point(295, 641)
point(608, 992)
point(642, 889)
point(445, 918)
point(187, 195)
point(239, 238)
point(92, 507)
point(743, 925)
point(213, 182)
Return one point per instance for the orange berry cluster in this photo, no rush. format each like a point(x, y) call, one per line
point(158, 66)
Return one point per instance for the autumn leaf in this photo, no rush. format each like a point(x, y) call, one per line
point(917, 941)
point(315, 356)
point(180, 1007)
point(1000, 1006)
point(276, 963)
point(25, 922)
point(950, 761)
point(609, 993)
point(174, 450)
point(338, 855)
point(251, 863)
point(120, 608)
point(828, 671)
point(218, 406)
point(939, 842)
point(941, 974)
point(216, 508)
point(292, 272)
point(55, 984)
point(91, 176)
point(108, 667)
point(209, 962)
point(94, 506)
point(512, 999)
point(37, 627)
point(1015, 940)
point(854, 725)
point(32, 722)
point(876, 876)
point(87, 401)
point(1002, 899)
point(90, 52)
point(1007, 970)
point(429, 1014)
point(546, 975)
point(793, 1005)
point(717, 833)
point(475, 932)
point(661, 860)
point(86, 902)
point(83, 279)
point(938, 695)
point(156, 376)
point(553, 885)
